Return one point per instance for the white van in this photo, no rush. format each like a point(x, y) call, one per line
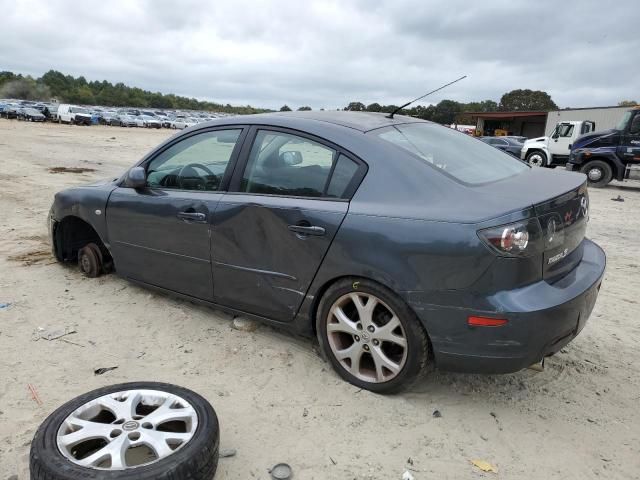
point(73, 114)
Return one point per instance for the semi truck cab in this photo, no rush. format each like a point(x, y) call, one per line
point(555, 150)
point(610, 154)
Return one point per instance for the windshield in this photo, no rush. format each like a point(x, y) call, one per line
point(454, 153)
point(625, 119)
point(79, 110)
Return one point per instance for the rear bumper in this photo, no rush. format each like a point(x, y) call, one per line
point(542, 319)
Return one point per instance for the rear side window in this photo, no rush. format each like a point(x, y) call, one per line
point(453, 153)
point(343, 174)
point(285, 164)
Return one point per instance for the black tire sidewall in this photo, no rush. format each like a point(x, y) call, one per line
point(607, 173)
point(417, 343)
point(48, 463)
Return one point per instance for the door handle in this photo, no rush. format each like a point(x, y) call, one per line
point(192, 216)
point(307, 230)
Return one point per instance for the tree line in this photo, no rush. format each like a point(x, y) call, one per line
point(450, 111)
point(69, 89)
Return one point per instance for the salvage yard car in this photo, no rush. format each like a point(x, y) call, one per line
point(398, 242)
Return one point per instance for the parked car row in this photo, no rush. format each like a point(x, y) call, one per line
point(114, 117)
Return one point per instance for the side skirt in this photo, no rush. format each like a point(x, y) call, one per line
point(292, 326)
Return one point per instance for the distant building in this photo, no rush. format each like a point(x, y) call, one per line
point(605, 117)
point(538, 124)
point(522, 124)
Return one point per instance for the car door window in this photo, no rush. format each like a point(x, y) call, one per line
point(565, 130)
point(341, 178)
point(285, 164)
point(195, 163)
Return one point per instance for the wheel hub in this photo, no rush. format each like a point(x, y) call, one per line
point(130, 426)
point(594, 174)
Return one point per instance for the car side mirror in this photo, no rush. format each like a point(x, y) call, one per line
point(291, 158)
point(136, 178)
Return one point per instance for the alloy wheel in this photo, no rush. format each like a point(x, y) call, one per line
point(366, 337)
point(127, 429)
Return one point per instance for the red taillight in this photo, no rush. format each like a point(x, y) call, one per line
point(486, 322)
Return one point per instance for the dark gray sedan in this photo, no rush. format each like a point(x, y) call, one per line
point(511, 145)
point(398, 242)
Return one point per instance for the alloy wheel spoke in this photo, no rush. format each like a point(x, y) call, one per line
point(165, 413)
point(345, 324)
point(115, 451)
point(158, 441)
point(381, 361)
point(89, 431)
point(354, 354)
point(385, 333)
point(365, 310)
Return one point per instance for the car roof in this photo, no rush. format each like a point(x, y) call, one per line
point(362, 121)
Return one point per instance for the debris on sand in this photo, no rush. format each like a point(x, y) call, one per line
point(227, 452)
point(71, 170)
point(53, 334)
point(33, 257)
point(245, 324)
point(484, 466)
point(618, 199)
point(103, 370)
point(34, 394)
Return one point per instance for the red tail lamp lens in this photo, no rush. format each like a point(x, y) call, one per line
point(486, 322)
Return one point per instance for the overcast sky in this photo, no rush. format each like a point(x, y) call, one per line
point(327, 53)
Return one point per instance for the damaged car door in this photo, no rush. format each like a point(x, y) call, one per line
point(159, 232)
point(288, 198)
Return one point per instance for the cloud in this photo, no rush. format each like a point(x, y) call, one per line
point(327, 53)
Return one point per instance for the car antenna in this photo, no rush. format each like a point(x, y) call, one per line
point(426, 94)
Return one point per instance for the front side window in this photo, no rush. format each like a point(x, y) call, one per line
point(195, 163)
point(565, 130)
point(285, 164)
point(456, 154)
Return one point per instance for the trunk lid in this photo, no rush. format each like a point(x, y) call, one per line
point(564, 222)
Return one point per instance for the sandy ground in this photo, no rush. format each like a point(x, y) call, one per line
point(276, 399)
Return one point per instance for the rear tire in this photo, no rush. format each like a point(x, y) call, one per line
point(599, 173)
point(377, 355)
point(537, 159)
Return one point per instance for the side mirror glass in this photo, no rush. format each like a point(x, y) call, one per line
point(291, 158)
point(136, 178)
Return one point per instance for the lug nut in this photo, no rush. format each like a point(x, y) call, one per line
point(359, 326)
point(357, 338)
point(366, 347)
point(371, 328)
point(376, 342)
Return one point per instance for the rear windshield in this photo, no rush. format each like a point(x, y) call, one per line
point(462, 157)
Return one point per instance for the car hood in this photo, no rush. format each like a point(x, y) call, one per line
point(101, 182)
point(585, 140)
point(535, 140)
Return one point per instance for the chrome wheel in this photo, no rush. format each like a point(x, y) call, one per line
point(536, 160)
point(127, 429)
point(595, 174)
point(366, 337)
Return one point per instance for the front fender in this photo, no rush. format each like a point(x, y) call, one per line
point(88, 203)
